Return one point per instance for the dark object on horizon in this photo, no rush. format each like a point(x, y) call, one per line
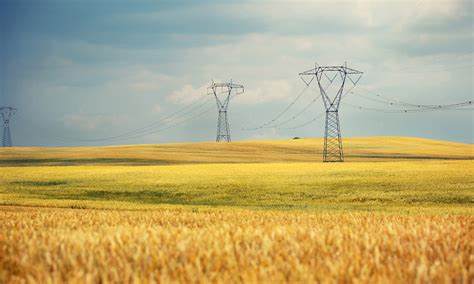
point(296, 137)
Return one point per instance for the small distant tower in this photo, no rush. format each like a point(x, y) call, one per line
point(222, 92)
point(7, 113)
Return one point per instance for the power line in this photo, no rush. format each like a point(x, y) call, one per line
point(314, 118)
point(178, 123)
point(296, 115)
point(168, 126)
point(439, 69)
point(163, 121)
point(305, 123)
point(393, 101)
point(185, 108)
point(307, 83)
point(158, 129)
point(281, 113)
point(418, 107)
point(456, 106)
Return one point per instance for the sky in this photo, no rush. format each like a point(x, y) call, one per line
point(92, 72)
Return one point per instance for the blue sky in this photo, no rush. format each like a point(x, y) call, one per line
point(93, 69)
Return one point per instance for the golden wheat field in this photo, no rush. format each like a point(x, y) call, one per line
point(384, 148)
point(67, 245)
point(400, 210)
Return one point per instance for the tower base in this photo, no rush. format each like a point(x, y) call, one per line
point(223, 129)
point(332, 138)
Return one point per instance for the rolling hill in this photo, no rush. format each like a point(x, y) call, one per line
point(298, 150)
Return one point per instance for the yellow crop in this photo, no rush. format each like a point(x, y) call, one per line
point(67, 245)
point(400, 211)
point(300, 150)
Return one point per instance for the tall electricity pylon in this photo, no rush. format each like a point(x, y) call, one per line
point(332, 151)
point(7, 113)
point(222, 92)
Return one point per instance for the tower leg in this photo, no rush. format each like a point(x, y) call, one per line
point(332, 138)
point(223, 129)
point(6, 140)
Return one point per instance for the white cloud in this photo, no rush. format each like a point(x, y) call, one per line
point(187, 94)
point(91, 122)
point(132, 80)
point(266, 91)
point(143, 80)
point(268, 134)
point(157, 109)
point(81, 122)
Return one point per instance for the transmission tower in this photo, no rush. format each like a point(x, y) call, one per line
point(7, 113)
point(332, 151)
point(222, 92)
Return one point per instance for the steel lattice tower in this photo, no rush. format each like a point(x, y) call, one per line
point(7, 113)
point(332, 151)
point(223, 92)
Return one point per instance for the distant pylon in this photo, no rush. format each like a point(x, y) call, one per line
point(332, 151)
point(7, 113)
point(222, 92)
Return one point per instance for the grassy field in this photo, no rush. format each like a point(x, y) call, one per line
point(399, 209)
point(421, 186)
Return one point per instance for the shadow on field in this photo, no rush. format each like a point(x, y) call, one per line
point(144, 196)
point(157, 162)
point(238, 197)
point(83, 162)
point(405, 157)
point(40, 183)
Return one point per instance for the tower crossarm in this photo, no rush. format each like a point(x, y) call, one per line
point(230, 85)
point(315, 71)
point(7, 113)
point(223, 96)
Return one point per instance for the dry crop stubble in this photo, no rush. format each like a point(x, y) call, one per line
point(59, 245)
